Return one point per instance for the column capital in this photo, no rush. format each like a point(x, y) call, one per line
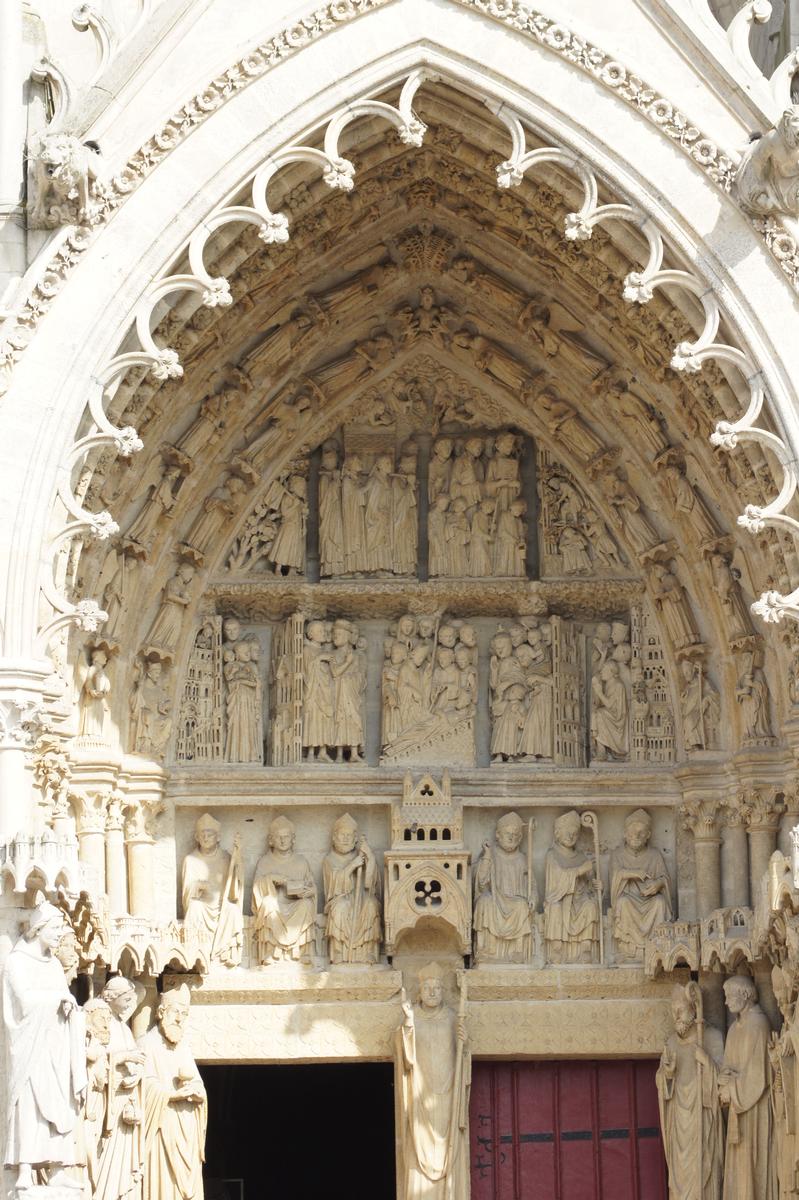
point(762, 808)
point(701, 817)
point(114, 818)
point(734, 812)
point(90, 811)
point(140, 819)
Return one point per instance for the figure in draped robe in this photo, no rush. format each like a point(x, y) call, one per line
point(283, 900)
point(318, 728)
point(785, 1088)
point(244, 738)
point(571, 908)
point(434, 1062)
point(378, 516)
point(351, 883)
point(404, 516)
point(93, 1118)
point(640, 894)
point(94, 696)
point(212, 890)
point(349, 682)
point(176, 1109)
point(287, 551)
point(46, 1055)
point(690, 1114)
point(331, 526)
point(505, 897)
point(122, 1151)
point(744, 1090)
point(610, 714)
point(353, 502)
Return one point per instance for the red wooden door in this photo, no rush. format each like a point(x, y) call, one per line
point(566, 1131)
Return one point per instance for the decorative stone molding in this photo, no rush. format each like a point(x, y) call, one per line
point(726, 940)
point(44, 862)
point(672, 945)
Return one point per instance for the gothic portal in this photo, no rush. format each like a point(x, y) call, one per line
point(399, 675)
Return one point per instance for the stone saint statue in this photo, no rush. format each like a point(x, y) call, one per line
point(785, 1087)
point(94, 697)
point(122, 1151)
point(571, 909)
point(640, 894)
point(505, 897)
point(434, 1062)
point(212, 889)
point(93, 1118)
point(46, 1055)
point(176, 1110)
point(690, 1114)
point(744, 1090)
point(352, 896)
point(283, 900)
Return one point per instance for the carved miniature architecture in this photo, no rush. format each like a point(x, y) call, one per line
point(399, 588)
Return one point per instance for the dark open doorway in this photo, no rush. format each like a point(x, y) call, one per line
point(290, 1132)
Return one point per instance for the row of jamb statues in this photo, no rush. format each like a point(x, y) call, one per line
point(284, 895)
point(90, 1110)
point(728, 1111)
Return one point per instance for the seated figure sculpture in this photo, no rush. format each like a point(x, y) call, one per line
point(283, 900)
point(505, 897)
point(352, 896)
point(212, 892)
point(571, 908)
point(640, 895)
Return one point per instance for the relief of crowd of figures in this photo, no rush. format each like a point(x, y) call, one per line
point(556, 690)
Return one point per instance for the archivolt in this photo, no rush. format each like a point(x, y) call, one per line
point(339, 173)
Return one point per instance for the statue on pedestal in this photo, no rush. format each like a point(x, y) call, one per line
point(505, 897)
point(690, 1114)
point(640, 894)
point(434, 1061)
point(212, 890)
point(283, 900)
point(176, 1109)
point(744, 1090)
point(46, 1056)
point(352, 896)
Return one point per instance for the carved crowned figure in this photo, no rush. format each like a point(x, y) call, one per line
point(640, 894)
point(212, 890)
point(283, 899)
point(352, 896)
point(505, 897)
point(571, 909)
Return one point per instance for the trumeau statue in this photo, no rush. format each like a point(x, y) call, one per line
point(640, 893)
point(46, 1059)
point(690, 1113)
point(744, 1083)
point(283, 900)
point(433, 1057)
point(122, 1151)
point(351, 881)
point(212, 891)
point(571, 910)
point(505, 897)
point(176, 1109)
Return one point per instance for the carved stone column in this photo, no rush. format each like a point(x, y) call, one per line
point(790, 818)
point(90, 812)
point(762, 812)
point(115, 866)
point(702, 816)
point(144, 1017)
point(139, 842)
point(20, 720)
point(734, 856)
